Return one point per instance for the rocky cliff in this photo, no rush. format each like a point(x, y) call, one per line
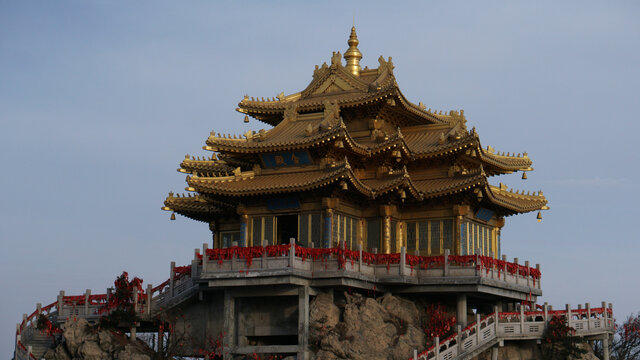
point(82, 341)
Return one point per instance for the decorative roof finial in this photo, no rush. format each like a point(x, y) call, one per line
point(353, 55)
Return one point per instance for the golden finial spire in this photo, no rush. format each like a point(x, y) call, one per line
point(353, 55)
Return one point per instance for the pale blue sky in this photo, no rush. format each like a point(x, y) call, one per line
point(100, 101)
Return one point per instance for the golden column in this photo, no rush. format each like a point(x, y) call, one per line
point(386, 211)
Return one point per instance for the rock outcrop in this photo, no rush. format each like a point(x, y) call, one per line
point(365, 328)
point(82, 341)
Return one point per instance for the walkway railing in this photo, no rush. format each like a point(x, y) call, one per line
point(90, 307)
point(523, 325)
point(240, 260)
point(320, 261)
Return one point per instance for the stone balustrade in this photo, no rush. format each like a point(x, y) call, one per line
point(524, 325)
point(384, 268)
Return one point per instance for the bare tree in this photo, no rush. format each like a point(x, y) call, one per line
point(626, 341)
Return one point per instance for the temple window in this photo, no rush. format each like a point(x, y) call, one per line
point(373, 234)
point(344, 230)
point(262, 230)
point(228, 237)
point(478, 236)
point(430, 237)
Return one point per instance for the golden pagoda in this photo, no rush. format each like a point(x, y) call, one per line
point(347, 161)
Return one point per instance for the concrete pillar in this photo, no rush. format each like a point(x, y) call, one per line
point(359, 257)
point(292, 252)
point(148, 299)
point(172, 276)
point(229, 324)
point(87, 294)
point(605, 347)
point(110, 293)
point(60, 304)
point(446, 262)
point(494, 353)
point(135, 299)
point(461, 310)
point(303, 323)
point(205, 247)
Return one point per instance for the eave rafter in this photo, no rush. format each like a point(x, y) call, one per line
point(196, 207)
point(203, 165)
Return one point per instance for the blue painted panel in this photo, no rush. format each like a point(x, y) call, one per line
point(484, 214)
point(283, 203)
point(288, 158)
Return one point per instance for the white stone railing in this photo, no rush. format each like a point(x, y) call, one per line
point(238, 261)
point(523, 325)
point(91, 307)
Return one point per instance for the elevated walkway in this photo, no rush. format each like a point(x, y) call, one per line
point(493, 330)
point(238, 267)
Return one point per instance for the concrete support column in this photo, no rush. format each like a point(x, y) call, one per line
point(61, 304)
point(303, 323)
point(229, 324)
point(172, 276)
point(461, 310)
point(494, 353)
point(148, 299)
point(87, 295)
point(605, 348)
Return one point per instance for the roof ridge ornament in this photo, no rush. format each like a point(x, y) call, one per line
point(353, 55)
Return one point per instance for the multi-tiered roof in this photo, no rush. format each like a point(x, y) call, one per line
point(351, 133)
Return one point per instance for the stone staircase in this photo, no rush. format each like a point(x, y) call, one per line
point(485, 333)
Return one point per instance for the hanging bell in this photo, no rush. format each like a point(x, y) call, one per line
point(524, 175)
point(246, 119)
point(344, 185)
point(173, 216)
point(539, 217)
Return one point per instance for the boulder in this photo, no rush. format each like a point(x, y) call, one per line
point(83, 341)
point(370, 329)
